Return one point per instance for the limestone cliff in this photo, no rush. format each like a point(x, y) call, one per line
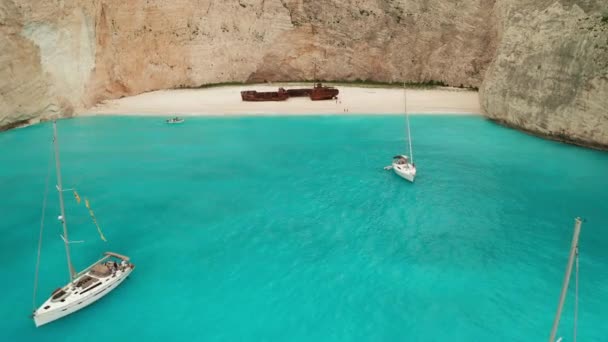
point(550, 74)
point(145, 45)
point(46, 58)
point(64, 55)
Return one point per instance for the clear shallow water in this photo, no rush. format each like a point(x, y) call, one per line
point(288, 229)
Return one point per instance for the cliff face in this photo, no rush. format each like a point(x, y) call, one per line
point(550, 74)
point(544, 58)
point(383, 40)
point(64, 55)
point(145, 45)
point(46, 58)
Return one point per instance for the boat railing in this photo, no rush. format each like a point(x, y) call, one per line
point(107, 256)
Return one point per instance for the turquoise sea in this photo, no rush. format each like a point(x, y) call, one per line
point(289, 229)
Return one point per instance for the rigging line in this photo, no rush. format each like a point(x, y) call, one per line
point(576, 296)
point(46, 192)
point(407, 119)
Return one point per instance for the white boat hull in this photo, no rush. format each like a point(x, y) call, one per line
point(75, 302)
point(405, 171)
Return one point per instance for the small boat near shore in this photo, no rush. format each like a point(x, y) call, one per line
point(175, 120)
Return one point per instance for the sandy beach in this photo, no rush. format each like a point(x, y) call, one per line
point(226, 100)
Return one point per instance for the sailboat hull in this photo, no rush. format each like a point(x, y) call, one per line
point(51, 311)
point(407, 171)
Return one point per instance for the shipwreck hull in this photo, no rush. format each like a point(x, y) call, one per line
point(253, 96)
point(317, 93)
point(302, 92)
point(320, 92)
point(325, 94)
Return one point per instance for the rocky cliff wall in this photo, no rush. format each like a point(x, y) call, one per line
point(145, 45)
point(47, 53)
point(59, 56)
point(550, 73)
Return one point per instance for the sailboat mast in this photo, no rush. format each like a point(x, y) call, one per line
point(407, 119)
point(62, 206)
point(562, 298)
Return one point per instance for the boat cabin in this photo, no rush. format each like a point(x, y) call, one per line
point(401, 160)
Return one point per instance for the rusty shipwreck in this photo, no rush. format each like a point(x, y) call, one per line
point(317, 93)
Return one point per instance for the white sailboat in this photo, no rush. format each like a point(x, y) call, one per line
point(562, 298)
point(87, 286)
point(403, 165)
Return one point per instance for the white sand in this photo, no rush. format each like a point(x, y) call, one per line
point(351, 100)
